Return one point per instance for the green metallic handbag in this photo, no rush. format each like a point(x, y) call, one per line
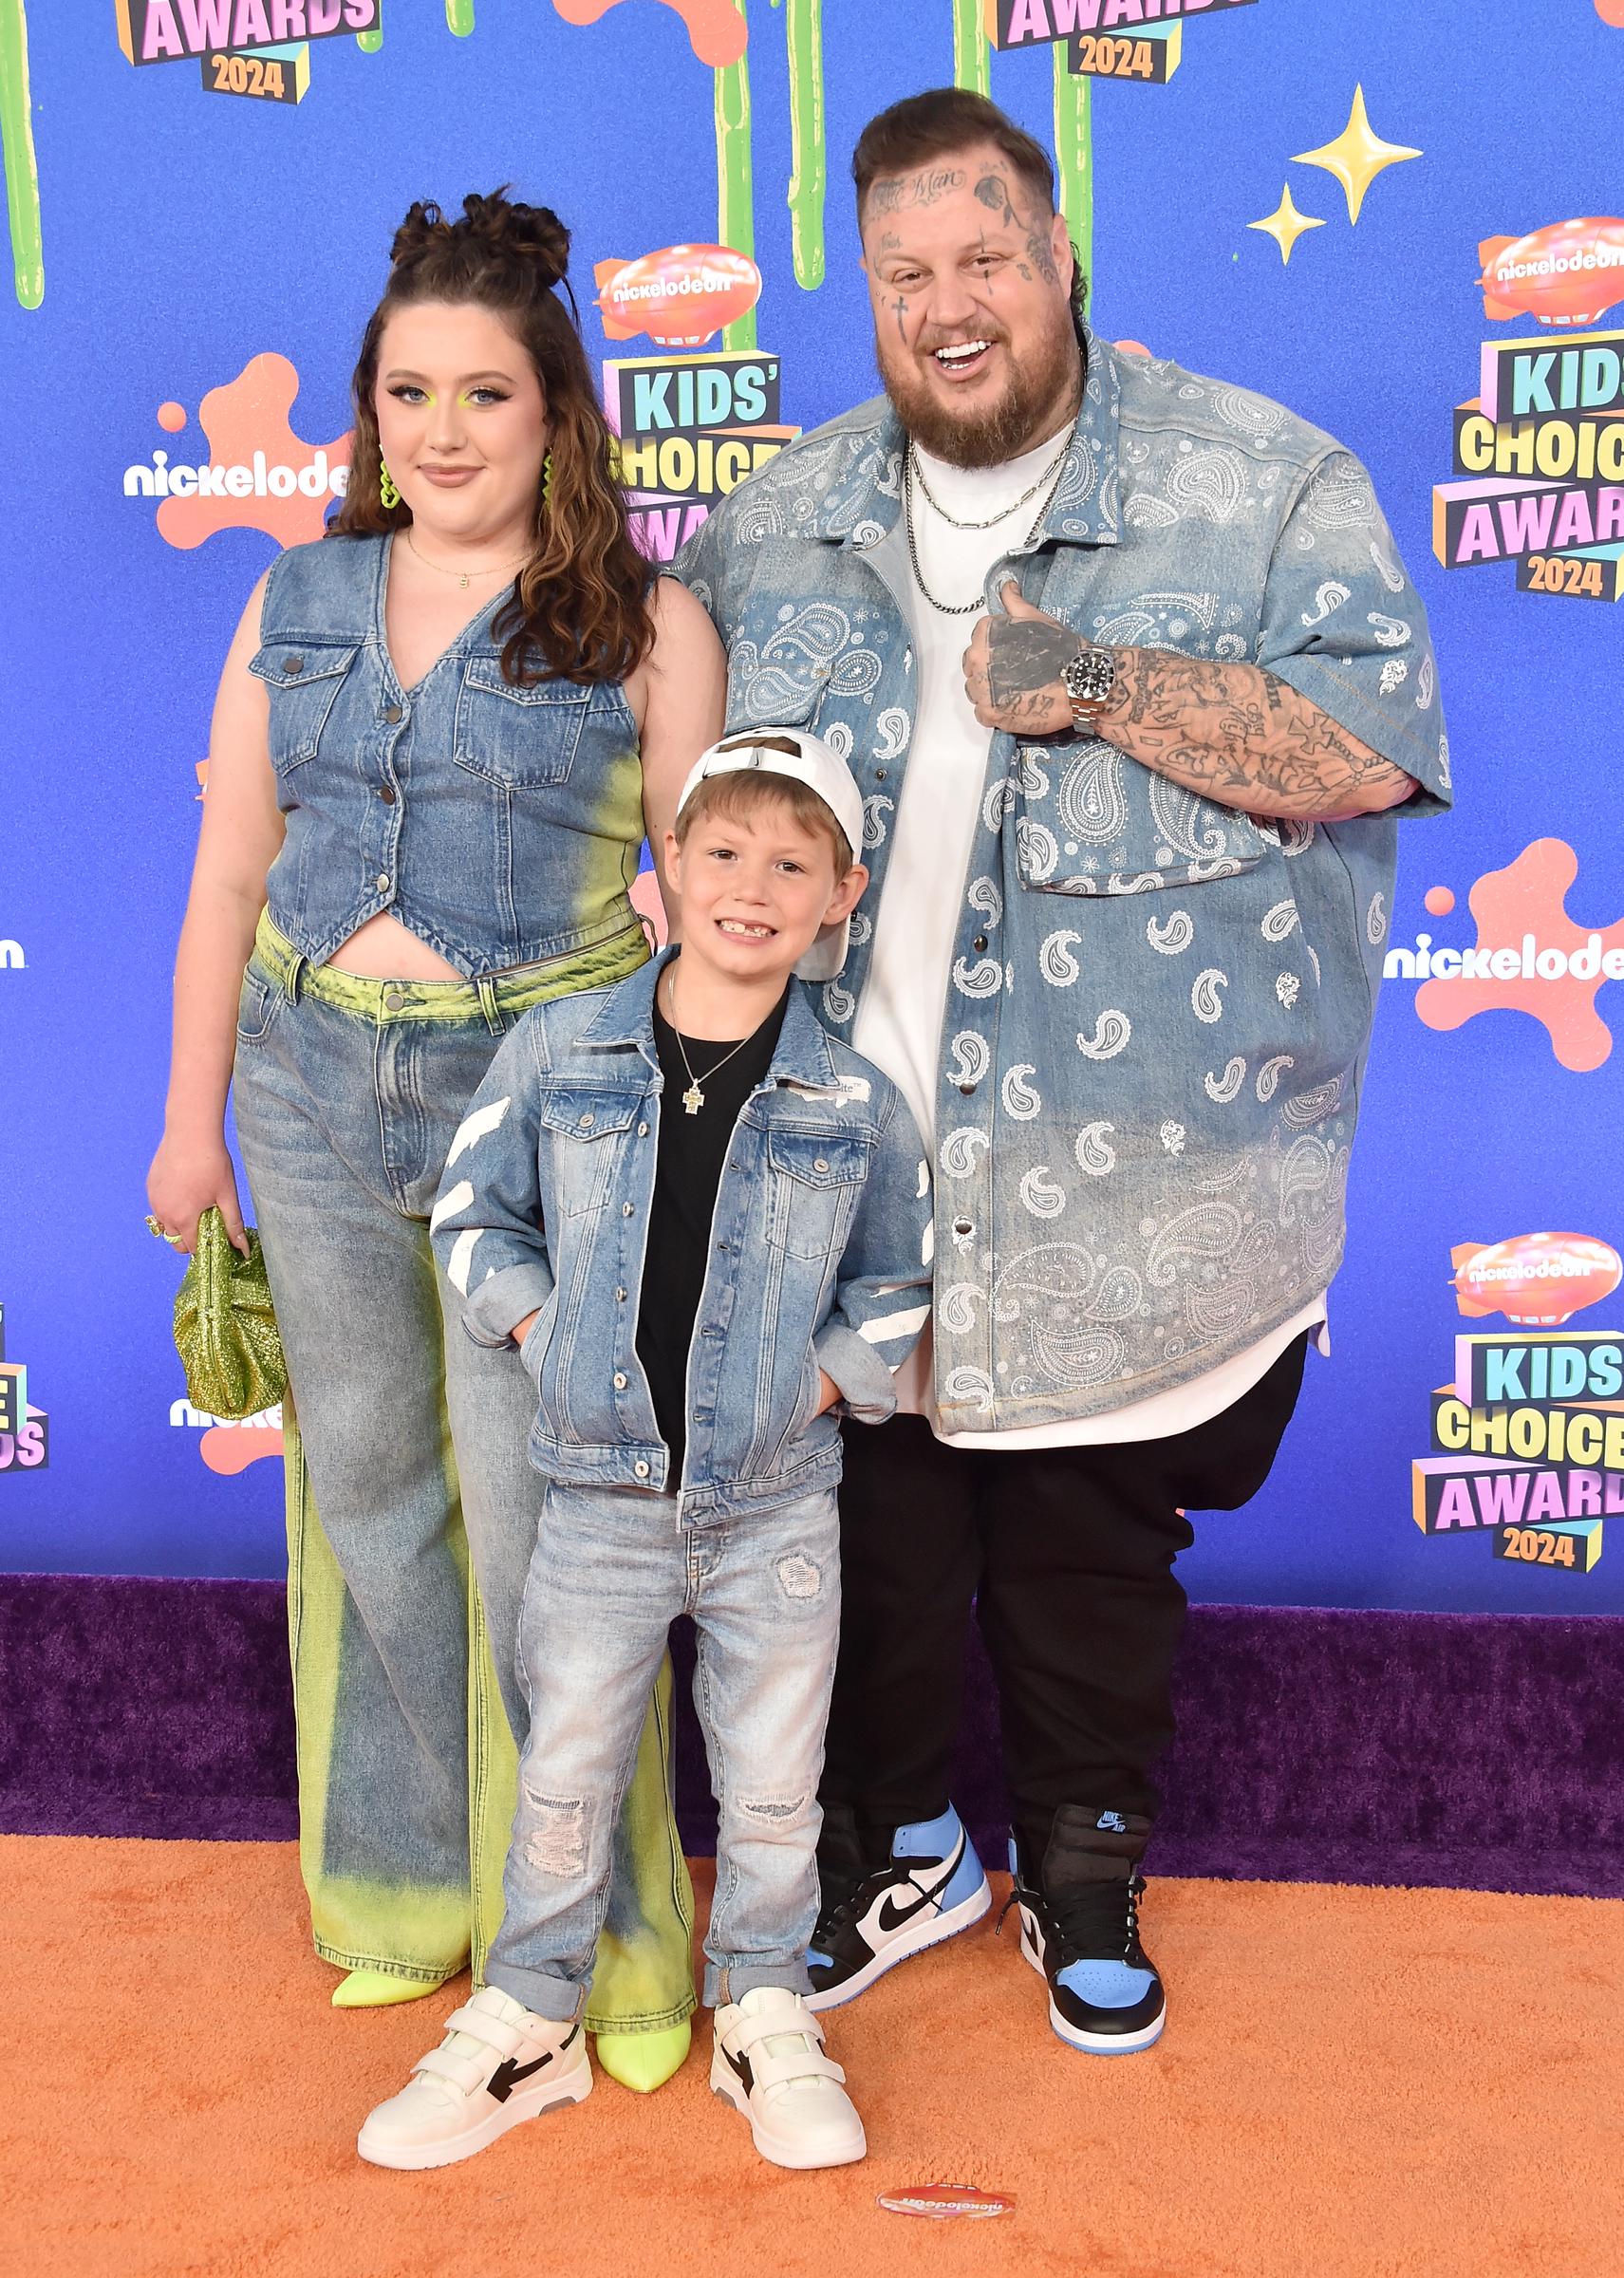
point(224, 1330)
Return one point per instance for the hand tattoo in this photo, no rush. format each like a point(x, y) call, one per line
point(1238, 734)
point(1024, 658)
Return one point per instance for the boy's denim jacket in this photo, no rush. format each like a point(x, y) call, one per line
point(821, 1256)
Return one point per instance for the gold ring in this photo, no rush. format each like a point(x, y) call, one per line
point(163, 1234)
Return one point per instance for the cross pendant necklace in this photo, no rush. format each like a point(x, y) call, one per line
point(693, 1098)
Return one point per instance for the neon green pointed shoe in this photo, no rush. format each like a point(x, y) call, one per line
point(381, 1989)
point(644, 2060)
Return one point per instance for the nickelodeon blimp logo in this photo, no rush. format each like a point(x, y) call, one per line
point(1570, 273)
point(679, 296)
point(1538, 1280)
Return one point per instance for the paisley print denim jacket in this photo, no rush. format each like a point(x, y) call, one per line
point(1159, 1009)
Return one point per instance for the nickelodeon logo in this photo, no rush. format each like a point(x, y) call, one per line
point(1568, 273)
point(1529, 957)
point(230, 1444)
point(257, 474)
point(1538, 1280)
point(678, 296)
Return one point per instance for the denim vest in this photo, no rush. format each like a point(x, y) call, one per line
point(1159, 1006)
point(820, 1256)
point(500, 825)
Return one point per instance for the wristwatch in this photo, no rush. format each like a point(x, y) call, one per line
point(1090, 679)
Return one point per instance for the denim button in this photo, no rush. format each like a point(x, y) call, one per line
point(962, 1226)
point(980, 941)
point(620, 1296)
point(643, 1130)
point(879, 775)
point(819, 1163)
point(386, 792)
point(393, 999)
point(967, 1089)
point(640, 1468)
point(620, 1380)
point(393, 715)
point(292, 664)
point(585, 1124)
point(381, 881)
point(625, 1209)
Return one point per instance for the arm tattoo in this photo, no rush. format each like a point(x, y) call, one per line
point(1024, 659)
point(1236, 734)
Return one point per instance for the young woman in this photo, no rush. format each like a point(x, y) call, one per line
point(438, 738)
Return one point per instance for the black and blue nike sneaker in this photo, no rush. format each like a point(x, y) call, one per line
point(885, 1900)
point(1079, 1930)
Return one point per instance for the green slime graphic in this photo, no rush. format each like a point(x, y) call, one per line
point(803, 35)
point(22, 170)
point(1074, 156)
point(972, 66)
point(736, 208)
point(369, 42)
point(459, 17)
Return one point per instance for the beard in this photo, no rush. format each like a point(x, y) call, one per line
point(1039, 385)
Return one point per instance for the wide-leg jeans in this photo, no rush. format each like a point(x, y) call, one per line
point(412, 1504)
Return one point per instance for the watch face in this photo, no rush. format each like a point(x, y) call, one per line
point(1090, 677)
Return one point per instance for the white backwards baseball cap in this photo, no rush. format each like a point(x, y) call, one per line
point(819, 766)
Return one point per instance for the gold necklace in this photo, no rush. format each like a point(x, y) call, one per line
point(693, 1098)
point(462, 576)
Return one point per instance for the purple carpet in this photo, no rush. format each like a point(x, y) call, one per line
point(1478, 1753)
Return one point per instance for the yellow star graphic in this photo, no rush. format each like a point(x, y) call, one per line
point(1285, 225)
point(1357, 155)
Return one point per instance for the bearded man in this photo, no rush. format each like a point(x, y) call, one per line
point(1134, 685)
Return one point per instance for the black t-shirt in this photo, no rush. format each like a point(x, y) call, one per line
point(687, 1172)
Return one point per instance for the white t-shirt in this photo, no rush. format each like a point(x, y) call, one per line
point(899, 1019)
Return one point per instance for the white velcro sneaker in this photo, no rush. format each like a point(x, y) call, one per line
point(770, 2065)
point(498, 2064)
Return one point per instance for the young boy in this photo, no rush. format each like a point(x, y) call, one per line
point(706, 1224)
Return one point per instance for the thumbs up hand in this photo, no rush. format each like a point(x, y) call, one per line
point(1011, 668)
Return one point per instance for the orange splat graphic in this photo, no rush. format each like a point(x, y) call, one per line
point(1529, 898)
point(229, 1449)
point(717, 31)
point(249, 414)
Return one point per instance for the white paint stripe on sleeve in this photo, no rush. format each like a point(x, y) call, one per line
point(450, 1204)
point(473, 1128)
point(458, 1266)
point(927, 1247)
point(893, 1324)
point(923, 1188)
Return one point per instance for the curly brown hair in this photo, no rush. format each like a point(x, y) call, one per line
point(580, 606)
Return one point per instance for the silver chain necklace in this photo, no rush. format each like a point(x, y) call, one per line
point(969, 609)
point(694, 1098)
point(1004, 513)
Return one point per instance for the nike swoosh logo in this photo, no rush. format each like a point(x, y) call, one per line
point(508, 2074)
point(892, 1917)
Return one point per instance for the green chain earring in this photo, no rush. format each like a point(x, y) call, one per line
point(387, 491)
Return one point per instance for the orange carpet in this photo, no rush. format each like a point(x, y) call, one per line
point(1356, 2083)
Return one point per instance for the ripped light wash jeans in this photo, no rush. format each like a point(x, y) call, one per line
point(612, 1569)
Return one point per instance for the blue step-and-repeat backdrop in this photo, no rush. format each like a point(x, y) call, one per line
point(1402, 218)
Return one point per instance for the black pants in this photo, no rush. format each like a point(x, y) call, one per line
point(1068, 1553)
